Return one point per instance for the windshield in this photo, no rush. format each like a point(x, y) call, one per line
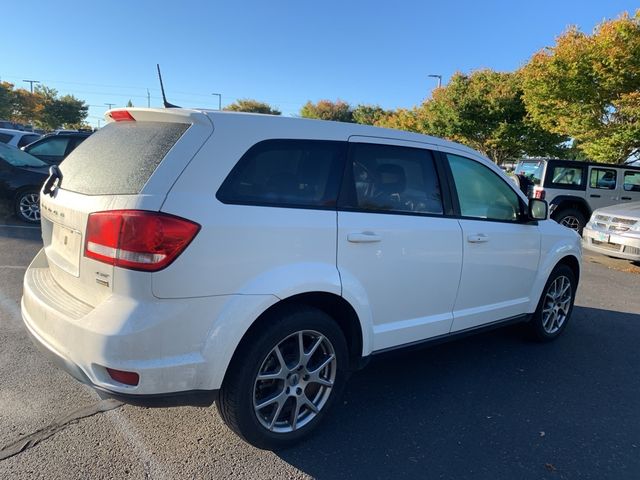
point(531, 170)
point(18, 158)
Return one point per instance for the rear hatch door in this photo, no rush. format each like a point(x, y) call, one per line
point(128, 164)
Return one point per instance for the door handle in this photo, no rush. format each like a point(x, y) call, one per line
point(594, 196)
point(478, 238)
point(626, 198)
point(363, 237)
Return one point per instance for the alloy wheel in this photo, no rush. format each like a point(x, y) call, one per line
point(294, 381)
point(29, 207)
point(557, 303)
point(572, 222)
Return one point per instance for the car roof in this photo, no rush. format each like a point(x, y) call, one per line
point(17, 132)
point(581, 162)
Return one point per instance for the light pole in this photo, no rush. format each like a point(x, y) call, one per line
point(439, 77)
point(219, 100)
point(31, 82)
point(110, 105)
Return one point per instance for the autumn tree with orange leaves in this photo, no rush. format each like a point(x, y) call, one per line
point(588, 87)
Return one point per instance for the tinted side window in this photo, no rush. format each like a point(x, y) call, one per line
point(54, 146)
point(4, 137)
point(632, 181)
point(482, 193)
point(567, 176)
point(393, 179)
point(286, 173)
point(602, 178)
point(27, 139)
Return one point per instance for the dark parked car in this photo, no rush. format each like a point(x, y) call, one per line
point(21, 177)
point(55, 147)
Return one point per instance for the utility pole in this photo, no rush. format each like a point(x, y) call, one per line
point(148, 99)
point(110, 105)
point(439, 77)
point(31, 82)
point(219, 100)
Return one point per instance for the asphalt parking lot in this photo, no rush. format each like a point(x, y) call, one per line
point(494, 406)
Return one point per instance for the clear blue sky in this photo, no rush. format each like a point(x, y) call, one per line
point(282, 52)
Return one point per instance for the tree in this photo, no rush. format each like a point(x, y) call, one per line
point(57, 111)
point(483, 110)
point(26, 106)
point(6, 100)
point(339, 111)
point(404, 119)
point(253, 106)
point(368, 114)
point(129, 104)
point(588, 87)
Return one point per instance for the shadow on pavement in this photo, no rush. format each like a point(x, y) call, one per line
point(492, 406)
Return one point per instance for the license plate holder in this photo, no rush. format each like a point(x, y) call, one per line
point(602, 237)
point(65, 248)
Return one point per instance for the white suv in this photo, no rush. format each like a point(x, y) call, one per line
point(192, 256)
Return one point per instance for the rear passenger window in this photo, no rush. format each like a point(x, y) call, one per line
point(632, 181)
point(27, 139)
point(286, 173)
point(602, 178)
point(54, 146)
point(393, 179)
point(571, 176)
point(4, 138)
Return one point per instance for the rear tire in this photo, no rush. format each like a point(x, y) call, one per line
point(274, 393)
point(571, 218)
point(555, 305)
point(27, 206)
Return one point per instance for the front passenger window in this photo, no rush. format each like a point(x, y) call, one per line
point(394, 179)
point(481, 192)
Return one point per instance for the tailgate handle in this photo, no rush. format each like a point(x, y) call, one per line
point(626, 198)
point(594, 196)
point(363, 237)
point(54, 175)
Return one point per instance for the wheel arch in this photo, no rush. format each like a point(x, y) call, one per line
point(564, 202)
point(341, 311)
point(570, 259)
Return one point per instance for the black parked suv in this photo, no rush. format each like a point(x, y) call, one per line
point(21, 177)
point(55, 147)
point(575, 189)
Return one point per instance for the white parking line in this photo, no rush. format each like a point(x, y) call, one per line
point(14, 267)
point(17, 226)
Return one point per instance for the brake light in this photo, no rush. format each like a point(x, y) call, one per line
point(122, 116)
point(137, 239)
point(539, 194)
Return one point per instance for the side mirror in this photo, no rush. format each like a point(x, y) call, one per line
point(538, 209)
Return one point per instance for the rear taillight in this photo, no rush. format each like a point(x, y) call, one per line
point(539, 194)
point(137, 239)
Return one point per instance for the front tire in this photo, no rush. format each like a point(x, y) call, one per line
point(27, 206)
point(571, 218)
point(284, 378)
point(555, 305)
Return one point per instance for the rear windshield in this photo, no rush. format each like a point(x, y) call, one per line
point(119, 158)
point(531, 170)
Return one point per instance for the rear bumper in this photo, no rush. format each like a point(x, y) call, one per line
point(614, 245)
point(196, 398)
point(167, 342)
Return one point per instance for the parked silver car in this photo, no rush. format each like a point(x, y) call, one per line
point(614, 231)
